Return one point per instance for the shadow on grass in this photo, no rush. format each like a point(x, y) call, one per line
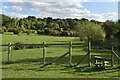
point(63, 60)
point(62, 64)
point(84, 70)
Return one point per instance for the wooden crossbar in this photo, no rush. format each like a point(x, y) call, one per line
point(116, 55)
point(58, 58)
point(81, 60)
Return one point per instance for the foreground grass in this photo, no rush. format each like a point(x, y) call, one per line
point(27, 63)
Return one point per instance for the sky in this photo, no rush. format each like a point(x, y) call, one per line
point(98, 10)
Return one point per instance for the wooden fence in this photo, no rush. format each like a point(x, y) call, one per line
point(43, 46)
point(70, 45)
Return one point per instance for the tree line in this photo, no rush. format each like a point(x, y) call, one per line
point(60, 27)
point(45, 26)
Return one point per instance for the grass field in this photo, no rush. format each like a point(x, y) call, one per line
point(27, 63)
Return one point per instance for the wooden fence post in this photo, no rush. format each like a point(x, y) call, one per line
point(44, 51)
point(9, 52)
point(112, 56)
point(70, 52)
point(89, 55)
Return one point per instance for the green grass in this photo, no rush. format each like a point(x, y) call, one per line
point(27, 63)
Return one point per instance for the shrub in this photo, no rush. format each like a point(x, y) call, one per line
point(16, 31)
point(76, 34)
point(33, 31)
point(39, 32)
point(1, 31)
point(54, 33)
point(18, 46)
point(4, 29)
point(25, 31)
point(28, 32)
point(65, 33)
point(47, 31)
point(10, 30)
point(71, 33)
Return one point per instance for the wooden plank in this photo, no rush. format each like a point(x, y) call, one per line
point(103, 63)
point(9, 52)
point(112, 56)
point(49, 44)
point(58, 58)
point(70, 52)
point(98, 57)
point(116, 54)
point(81, 60)
point(101, 50)
point(89, 55)
point(44, 51)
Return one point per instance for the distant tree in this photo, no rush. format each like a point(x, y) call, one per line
point(90, 31)
point(6, 21)
point(31, 18)
point(48, 20)
point(111, 28)
point(65, 33)
point(53, 25)
point(16, 30)
point(84, 19)
point(71, 23)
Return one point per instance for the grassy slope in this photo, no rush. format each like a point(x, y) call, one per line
point(27, 63)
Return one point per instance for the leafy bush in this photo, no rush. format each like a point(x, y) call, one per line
point(54, 33)
point(1, 31)
point(10, 30)
point(4, 29)
point(47, 31)
point(28, 32)
point(72, 33)
point(25, 31)
point(18, 46)
point(40, 32)
point(33, 31)
point(65, 33)
point(16, 31)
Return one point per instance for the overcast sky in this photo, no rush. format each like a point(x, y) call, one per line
point(96, 10)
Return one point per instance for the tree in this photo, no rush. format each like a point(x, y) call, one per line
point(33, 18)
point(53, 26)
point(48, 20)
point(112, 30)
point(90, 31)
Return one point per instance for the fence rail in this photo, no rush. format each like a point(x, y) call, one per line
point(48, 44)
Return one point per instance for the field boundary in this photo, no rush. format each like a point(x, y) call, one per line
point(44, 45)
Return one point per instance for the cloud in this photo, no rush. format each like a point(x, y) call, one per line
point(5, 7)
point(18, 8)
point(16, 15)
point(45, 0)
point(111, 15)
point(103, 17)
point(60, 1)
point(57, 10)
